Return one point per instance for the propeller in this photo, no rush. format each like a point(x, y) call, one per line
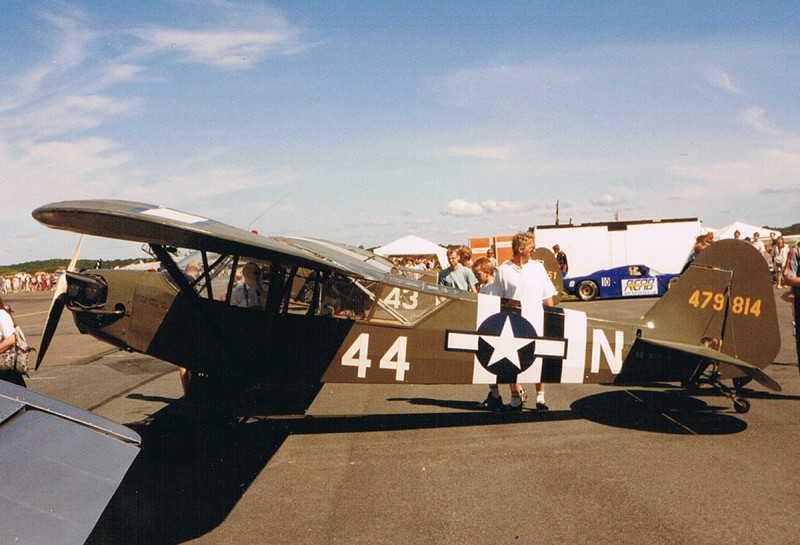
point(57, 306)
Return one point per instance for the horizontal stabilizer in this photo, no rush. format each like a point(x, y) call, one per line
point(724, 359)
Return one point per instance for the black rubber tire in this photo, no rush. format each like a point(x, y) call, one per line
point(741, 405)
point(586, 290)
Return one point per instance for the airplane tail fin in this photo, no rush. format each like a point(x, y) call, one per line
point(548, 260)
point(724, 299)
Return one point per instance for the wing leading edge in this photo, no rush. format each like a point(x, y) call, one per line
point(147, 223)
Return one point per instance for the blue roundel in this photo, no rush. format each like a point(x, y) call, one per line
point(505, 369)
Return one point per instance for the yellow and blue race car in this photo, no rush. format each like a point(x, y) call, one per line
point(626, 281)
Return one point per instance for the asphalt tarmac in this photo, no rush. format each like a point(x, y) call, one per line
point(424, 464)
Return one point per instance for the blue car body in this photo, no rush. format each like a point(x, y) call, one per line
point(626, 281)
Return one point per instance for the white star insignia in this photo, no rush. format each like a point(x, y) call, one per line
point(506, 345)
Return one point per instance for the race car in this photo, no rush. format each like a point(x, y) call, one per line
point(626, 281)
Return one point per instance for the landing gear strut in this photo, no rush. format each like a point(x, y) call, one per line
point(711, 377)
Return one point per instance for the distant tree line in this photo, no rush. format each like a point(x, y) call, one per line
point(51, 265)
point(793, 229)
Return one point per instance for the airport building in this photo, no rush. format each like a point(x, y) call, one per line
point(663, 245)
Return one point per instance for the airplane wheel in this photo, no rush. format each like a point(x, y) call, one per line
point(741, 405)
point(587, 290)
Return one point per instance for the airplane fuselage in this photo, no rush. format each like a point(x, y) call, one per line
point(464, 340)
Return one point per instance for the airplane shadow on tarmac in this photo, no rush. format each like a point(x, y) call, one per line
point(192, 471)
point(669, 411)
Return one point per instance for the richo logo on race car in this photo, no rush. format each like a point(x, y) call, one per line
point(639, 286)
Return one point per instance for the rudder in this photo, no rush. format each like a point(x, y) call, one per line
point(726, 293)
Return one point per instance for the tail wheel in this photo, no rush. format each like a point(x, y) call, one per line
point(587, 290)
point(741, 405)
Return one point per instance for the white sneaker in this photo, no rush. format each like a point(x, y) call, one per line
point(513, 406)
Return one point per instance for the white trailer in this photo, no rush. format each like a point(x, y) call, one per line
point(663, 245)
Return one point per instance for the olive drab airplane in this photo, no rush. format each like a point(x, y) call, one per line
point(321, 311)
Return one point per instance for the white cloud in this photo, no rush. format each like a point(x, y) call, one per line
point(252, 34)
point(77, 158)
point(66, 114)
point(38, 172)
point(169, 189)
point(788, 158)
point(206, 183)
point(74, 38)
point(71, 39)
point(233, 50)
point(496, 84)
point(121, 72)
point(23, 86)
point(504, 207)
point(460, 207)
point(789, 191)
point(60, 168)
point(754, 118)
point(495, 153)
point(720, 79)
point(763, 171)
point(606, 200)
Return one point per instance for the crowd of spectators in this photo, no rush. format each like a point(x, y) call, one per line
point(421, 263)
point(28, 282)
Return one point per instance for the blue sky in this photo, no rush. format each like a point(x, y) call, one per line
point(365, 121)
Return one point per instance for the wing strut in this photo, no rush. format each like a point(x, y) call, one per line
point(206, 275)
point(232, 279)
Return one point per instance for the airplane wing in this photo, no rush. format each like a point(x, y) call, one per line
point(147, 223)
point(59, 467)
point(646, 355)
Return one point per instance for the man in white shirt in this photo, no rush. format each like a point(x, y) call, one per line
point(757, 243)
point(526, 281)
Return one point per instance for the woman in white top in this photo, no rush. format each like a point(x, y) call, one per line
point(7, 340)
point(779, 251)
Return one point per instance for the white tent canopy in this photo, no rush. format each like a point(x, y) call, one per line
point(746, 231)
point(413, 245)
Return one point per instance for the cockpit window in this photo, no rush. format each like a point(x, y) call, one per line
point(396, 300)
point(207, 274)
point(257, 284)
